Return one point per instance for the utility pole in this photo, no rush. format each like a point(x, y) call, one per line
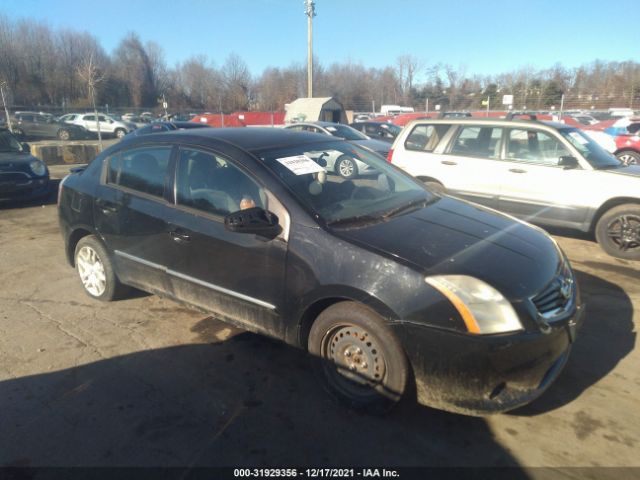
point(4, 103)
point(310, 11)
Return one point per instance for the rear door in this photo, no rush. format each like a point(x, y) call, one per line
point(535, 187)
point(131, 210)
point(236, 275)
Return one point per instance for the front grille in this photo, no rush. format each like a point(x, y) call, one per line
point(556, 297)
point(14, 177)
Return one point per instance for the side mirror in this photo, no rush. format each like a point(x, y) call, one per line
point(26, 147)
point(568, 162)
point(254, 220)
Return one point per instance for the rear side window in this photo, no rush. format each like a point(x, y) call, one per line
point(425, 138)
point(482, 142)
point(140, 169)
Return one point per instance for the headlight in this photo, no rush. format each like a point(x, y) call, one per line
point(38, 167)
point(482, 307)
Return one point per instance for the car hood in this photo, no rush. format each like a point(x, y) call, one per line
point(450, 236)
point(16, 158)
point(375, 145)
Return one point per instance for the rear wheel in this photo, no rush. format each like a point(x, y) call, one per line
point(95, 270)
point(629, 157)
point(435, 186)
point(120, 133)
point(358, 357)
point(63, 134)
point(618, 232)
point(346, 167)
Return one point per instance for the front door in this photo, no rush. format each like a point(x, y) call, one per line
point(535, 187)
point(238, 276)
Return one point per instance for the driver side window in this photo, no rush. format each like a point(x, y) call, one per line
point(212, 184)
point(533, 146)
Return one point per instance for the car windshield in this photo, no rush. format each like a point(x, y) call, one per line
point(9, 143)
point(345, 132)
point(368, 191)
point(597, 156)
point(394, 129)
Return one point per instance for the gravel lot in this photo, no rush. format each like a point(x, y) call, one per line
point(147, 382)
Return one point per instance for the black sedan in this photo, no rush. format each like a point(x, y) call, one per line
point(22, 176)
point(385, 283)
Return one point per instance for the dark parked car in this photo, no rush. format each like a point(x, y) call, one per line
point(44, 125)
point(157, 127)
point(22, 176)
point(382, 281)
point(379, 130)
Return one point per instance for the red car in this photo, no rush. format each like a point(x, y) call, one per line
point(626, 134)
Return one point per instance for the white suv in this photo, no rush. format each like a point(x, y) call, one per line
point(108, 125)
point(546, 173)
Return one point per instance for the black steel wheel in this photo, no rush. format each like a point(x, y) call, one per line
point(618, 232)
point(358, 358)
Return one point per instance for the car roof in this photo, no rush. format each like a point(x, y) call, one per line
point(492, 121)
point(251, 139)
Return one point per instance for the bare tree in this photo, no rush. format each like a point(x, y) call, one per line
point(90, 74)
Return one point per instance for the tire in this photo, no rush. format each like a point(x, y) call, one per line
point(120, 132)
point(435, 187)
point(95, 270)
point(346, 167)
point(629, 157)
point(618, 232)
point(358, 358)
point(64, 134)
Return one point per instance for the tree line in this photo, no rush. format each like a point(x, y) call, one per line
point(40, 66)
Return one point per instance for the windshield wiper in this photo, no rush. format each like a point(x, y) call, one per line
point(359, 219)
point(407, 207)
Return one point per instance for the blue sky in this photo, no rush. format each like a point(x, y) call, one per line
point(485, 37)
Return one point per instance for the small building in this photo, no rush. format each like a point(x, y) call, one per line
point(325, 109)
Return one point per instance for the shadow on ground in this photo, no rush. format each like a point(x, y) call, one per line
point(606, 337)
point(244, 401)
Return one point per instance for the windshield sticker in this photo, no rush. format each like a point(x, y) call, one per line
point(578, 138)
point(300, 165)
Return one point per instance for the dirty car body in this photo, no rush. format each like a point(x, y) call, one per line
point(484, 307)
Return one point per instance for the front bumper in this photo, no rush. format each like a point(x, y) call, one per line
point(479, 375)
point(29, 188)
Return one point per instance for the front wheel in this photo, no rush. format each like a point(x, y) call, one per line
point(629, 157)
point(618, 232)
point(120, 133)
point(346, 167)
point(95, 270)
point(358, 357)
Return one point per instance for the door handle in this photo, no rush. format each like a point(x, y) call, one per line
point(179, 235)
point(448, 162)
point(517, 170)
point(107, 207)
